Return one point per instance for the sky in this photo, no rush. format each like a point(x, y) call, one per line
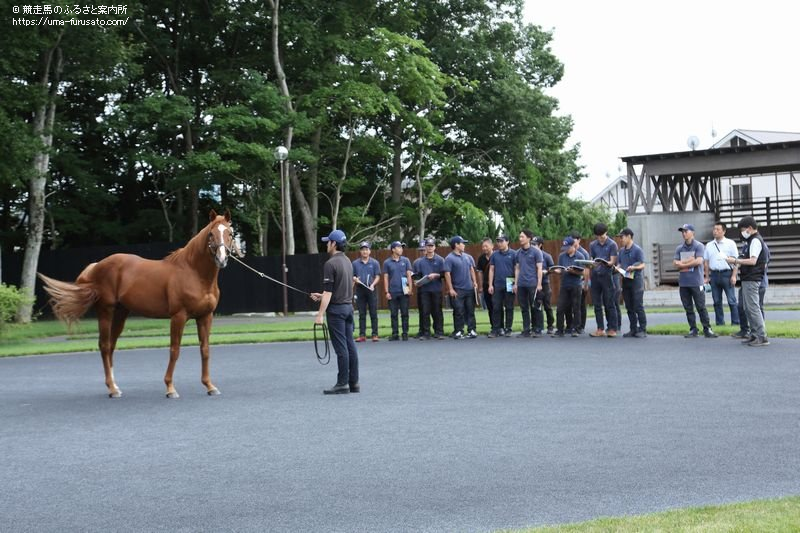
point(641, 77)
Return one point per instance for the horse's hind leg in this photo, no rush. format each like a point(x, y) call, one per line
point(107, 341)
point(203, 332)
point(176, 325)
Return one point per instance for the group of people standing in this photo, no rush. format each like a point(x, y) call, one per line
point(503, 275)
point(715, 267)
point(501, 279)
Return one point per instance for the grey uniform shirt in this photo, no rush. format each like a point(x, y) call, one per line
point(338, 278)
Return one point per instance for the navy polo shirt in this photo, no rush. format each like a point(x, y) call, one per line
point(694, 276)
point(527, 261)
point(503, 266)
point(424, 266)
point(367, 272)
point(337, 278)
point(397, 270)
point(629, 257)
point(568, 279)
point(546, 263)
point(603, 251)
point(460, 267)
point(582, 253)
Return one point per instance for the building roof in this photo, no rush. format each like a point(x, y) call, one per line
point(757, 137)
point(776, 146)
point(619, 181)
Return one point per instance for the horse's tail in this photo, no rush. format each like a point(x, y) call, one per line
point(68, 300)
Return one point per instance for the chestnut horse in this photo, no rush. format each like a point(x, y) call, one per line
point(179, 287)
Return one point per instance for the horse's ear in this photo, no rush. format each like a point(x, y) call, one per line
point(227, 215)
point(212, 215)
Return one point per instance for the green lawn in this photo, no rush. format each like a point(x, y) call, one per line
point(48, 336)
point(770, 516)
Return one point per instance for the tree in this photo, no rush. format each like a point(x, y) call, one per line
point(42, 60)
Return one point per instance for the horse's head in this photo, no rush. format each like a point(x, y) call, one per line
point(220, 237)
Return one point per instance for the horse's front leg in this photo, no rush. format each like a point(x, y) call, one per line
point(203, 332)
point(176, 325)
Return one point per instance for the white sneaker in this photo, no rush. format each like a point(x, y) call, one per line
point(472, 334)
point(458, 335)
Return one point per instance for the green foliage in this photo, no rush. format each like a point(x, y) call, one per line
point(10, 300)
point(562, 216)
point(165, 117)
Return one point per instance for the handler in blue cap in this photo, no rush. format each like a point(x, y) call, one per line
point(459, 272)
point(336, 303)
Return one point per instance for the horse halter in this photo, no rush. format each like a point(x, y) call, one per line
point(213, 246)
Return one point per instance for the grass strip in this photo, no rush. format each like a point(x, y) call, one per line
point(775, 516)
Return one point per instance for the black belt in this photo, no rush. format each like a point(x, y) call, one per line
point(722, 270)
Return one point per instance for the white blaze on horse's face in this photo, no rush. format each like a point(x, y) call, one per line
point(222, 250)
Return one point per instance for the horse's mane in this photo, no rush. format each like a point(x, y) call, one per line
point(184, 253)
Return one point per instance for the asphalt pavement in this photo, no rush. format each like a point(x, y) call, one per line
point(467, 436)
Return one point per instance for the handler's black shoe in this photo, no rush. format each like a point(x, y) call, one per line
point(709, 334)
point(338, 389)
point(355, 387)
point(691, 335)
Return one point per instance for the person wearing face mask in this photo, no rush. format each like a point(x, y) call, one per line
point(744, 327)
point(752, 265)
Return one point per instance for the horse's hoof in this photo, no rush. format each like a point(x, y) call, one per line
point(214, 392)
point(173, 395)
point(115, 394)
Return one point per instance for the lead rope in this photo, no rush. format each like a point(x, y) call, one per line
point(326, 358)
point(323, 359)
point(268, 277)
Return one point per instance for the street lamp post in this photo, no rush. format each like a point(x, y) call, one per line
point(282, 154)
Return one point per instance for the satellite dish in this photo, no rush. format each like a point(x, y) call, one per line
point(693, 142)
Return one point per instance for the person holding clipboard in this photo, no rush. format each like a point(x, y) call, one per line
point(366, 276)
point(501, 287)
point(429, 270)
point(631, 268)
point(689, 261)
point(397, 279)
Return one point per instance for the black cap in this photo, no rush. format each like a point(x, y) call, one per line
point(537, 240)
point(627, 231)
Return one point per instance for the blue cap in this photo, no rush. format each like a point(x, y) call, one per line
point(503, 237)
point(686, 227)
point(458, 239)
point(430, 242)
point(364, 244)
point(395, 244)
point(336, 235)
point(568, 241)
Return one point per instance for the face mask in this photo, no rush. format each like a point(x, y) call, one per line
point(745, 234)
